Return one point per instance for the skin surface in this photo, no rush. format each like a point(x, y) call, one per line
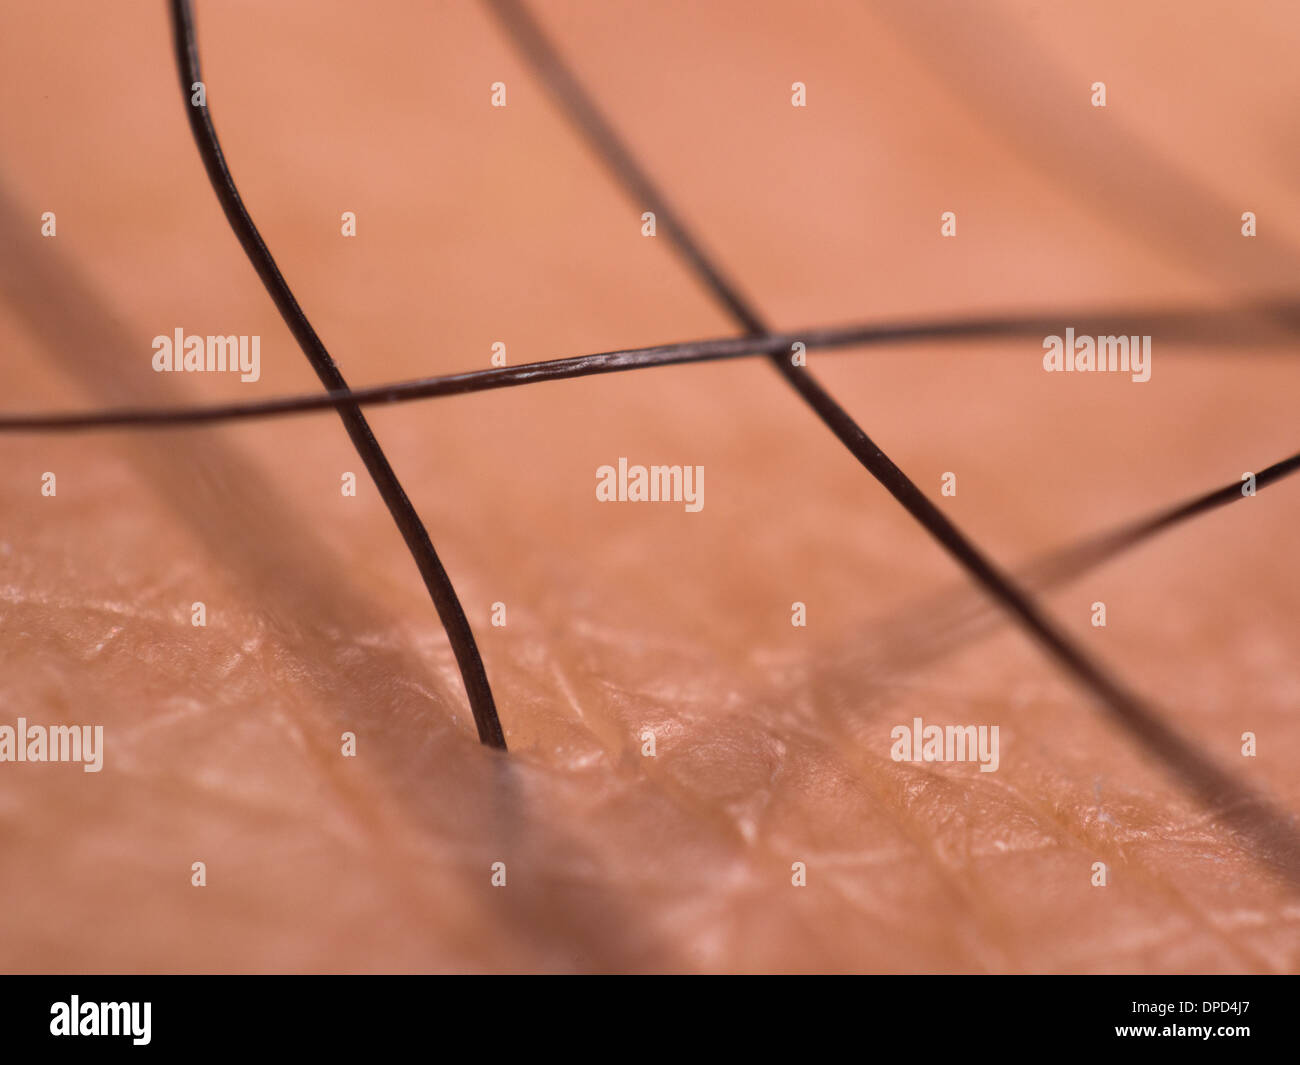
point(477, 225)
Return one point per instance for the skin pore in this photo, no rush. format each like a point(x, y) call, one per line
point(477, 226)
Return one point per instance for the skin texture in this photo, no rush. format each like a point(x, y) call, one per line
point(476, 225)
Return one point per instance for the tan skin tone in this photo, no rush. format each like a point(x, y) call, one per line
point(474, 225)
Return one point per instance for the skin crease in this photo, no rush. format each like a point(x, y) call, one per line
point(476, 225)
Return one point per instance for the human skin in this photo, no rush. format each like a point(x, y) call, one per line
point(476, 225)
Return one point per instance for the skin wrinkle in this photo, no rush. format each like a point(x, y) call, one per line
point(721, 739)
point(992, 926)
point(910, 829)
point(679, 627)
point(952, 888)
point(1250, 959)
point(1111, 851)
